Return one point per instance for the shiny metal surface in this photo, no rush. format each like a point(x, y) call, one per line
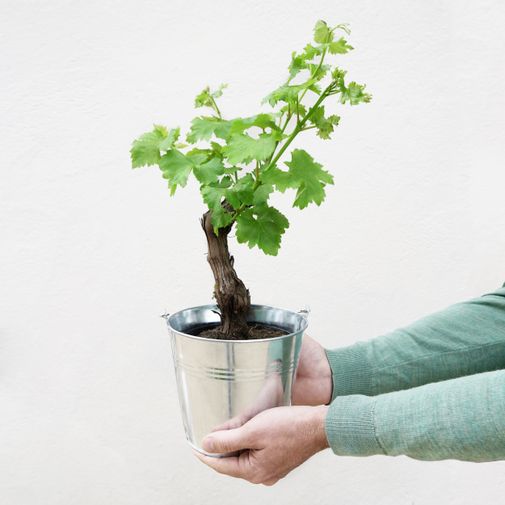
point(223, 383)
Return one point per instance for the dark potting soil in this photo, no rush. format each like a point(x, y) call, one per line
point(257, 331)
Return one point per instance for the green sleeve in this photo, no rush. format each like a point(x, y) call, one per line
point(461, 419)
point(464, 339)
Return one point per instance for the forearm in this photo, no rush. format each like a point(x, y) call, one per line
point(464, 339)
point(461, 419)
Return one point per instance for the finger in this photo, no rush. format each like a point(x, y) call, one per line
point(234, 422)
point(270, 482)
point(227, 466)
point(227, 440)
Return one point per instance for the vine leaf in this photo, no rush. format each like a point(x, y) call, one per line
point(213, 195)
point(305, 175)
point(242, 192)
point(202, 128)
point(324, 124)
point(242, 148)
point(322, 32)
point(289, 93)
point(339, 46)
point(176, 167)
point(308, 177)
point(354, 93)
point(146, 149)
point(206, 98)
point(209, 171)
point(262, 226)
point(263, 120)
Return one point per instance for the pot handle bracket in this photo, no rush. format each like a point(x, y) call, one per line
point(304, 312)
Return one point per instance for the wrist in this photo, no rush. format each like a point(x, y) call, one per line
point(318, 425)
point(327, 381)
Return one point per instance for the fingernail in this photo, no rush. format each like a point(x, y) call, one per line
point(208, 444)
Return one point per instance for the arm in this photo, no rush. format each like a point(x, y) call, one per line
point(464, 339)
point(460, 419)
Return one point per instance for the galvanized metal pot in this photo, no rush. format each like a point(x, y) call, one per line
point(223, 383)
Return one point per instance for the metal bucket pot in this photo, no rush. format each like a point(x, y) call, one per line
point(223, 383)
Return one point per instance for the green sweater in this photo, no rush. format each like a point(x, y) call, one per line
point(433, 390)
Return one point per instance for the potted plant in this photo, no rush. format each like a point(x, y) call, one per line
point(232, 358)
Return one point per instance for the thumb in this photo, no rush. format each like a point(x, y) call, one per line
point(227, 440)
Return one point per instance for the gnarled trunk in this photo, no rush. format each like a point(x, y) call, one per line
point(231, 295)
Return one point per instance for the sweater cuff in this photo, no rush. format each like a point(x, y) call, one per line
point(351, 373)
point(350, 426)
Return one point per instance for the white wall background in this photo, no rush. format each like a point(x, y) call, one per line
point(92, 252)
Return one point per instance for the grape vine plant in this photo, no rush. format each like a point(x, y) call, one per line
point(237, 163)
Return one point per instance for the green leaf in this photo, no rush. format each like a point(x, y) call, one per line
point(354, 94)
point(198, 156)
point(205, 97)
point(274, 176)
point(289, 93)
point(298, 63)
point(264, 120)
point(262, 193)
point(242, 148)
point(209, 171)
point(261, 226)
point(176, 168)
point(338, 75)
point(220, 218)
point(294, 108)
point(169, 141)
point(146, 149)
point(322, 33)
point(242, 192)
point(318, 71)
point(219, 91)
point(323, 124)
point(202, 128)
point(339, 46)
point(310, 52)
point(304, 175)
point(213, 195)
point(308, 178)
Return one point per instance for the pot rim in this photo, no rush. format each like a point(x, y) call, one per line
point(305, 323)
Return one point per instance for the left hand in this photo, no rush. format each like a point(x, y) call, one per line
point(272, 444)
point(313, 384)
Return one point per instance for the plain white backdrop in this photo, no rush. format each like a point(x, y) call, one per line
point(92, 252)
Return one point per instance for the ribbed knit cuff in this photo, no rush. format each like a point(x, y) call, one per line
point(350, 370)
point(350, 426)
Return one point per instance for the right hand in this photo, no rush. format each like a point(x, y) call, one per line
point(312, 386)
point(313, 383)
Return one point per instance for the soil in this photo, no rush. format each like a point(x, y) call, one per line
point(256, 331)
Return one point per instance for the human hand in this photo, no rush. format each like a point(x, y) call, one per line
point(313, 383)
point(272, 444)
point(270, 395)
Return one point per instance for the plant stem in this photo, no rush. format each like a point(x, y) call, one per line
point(299, 126)
point(216, 108)
point(315, 72)
point(231, 295)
